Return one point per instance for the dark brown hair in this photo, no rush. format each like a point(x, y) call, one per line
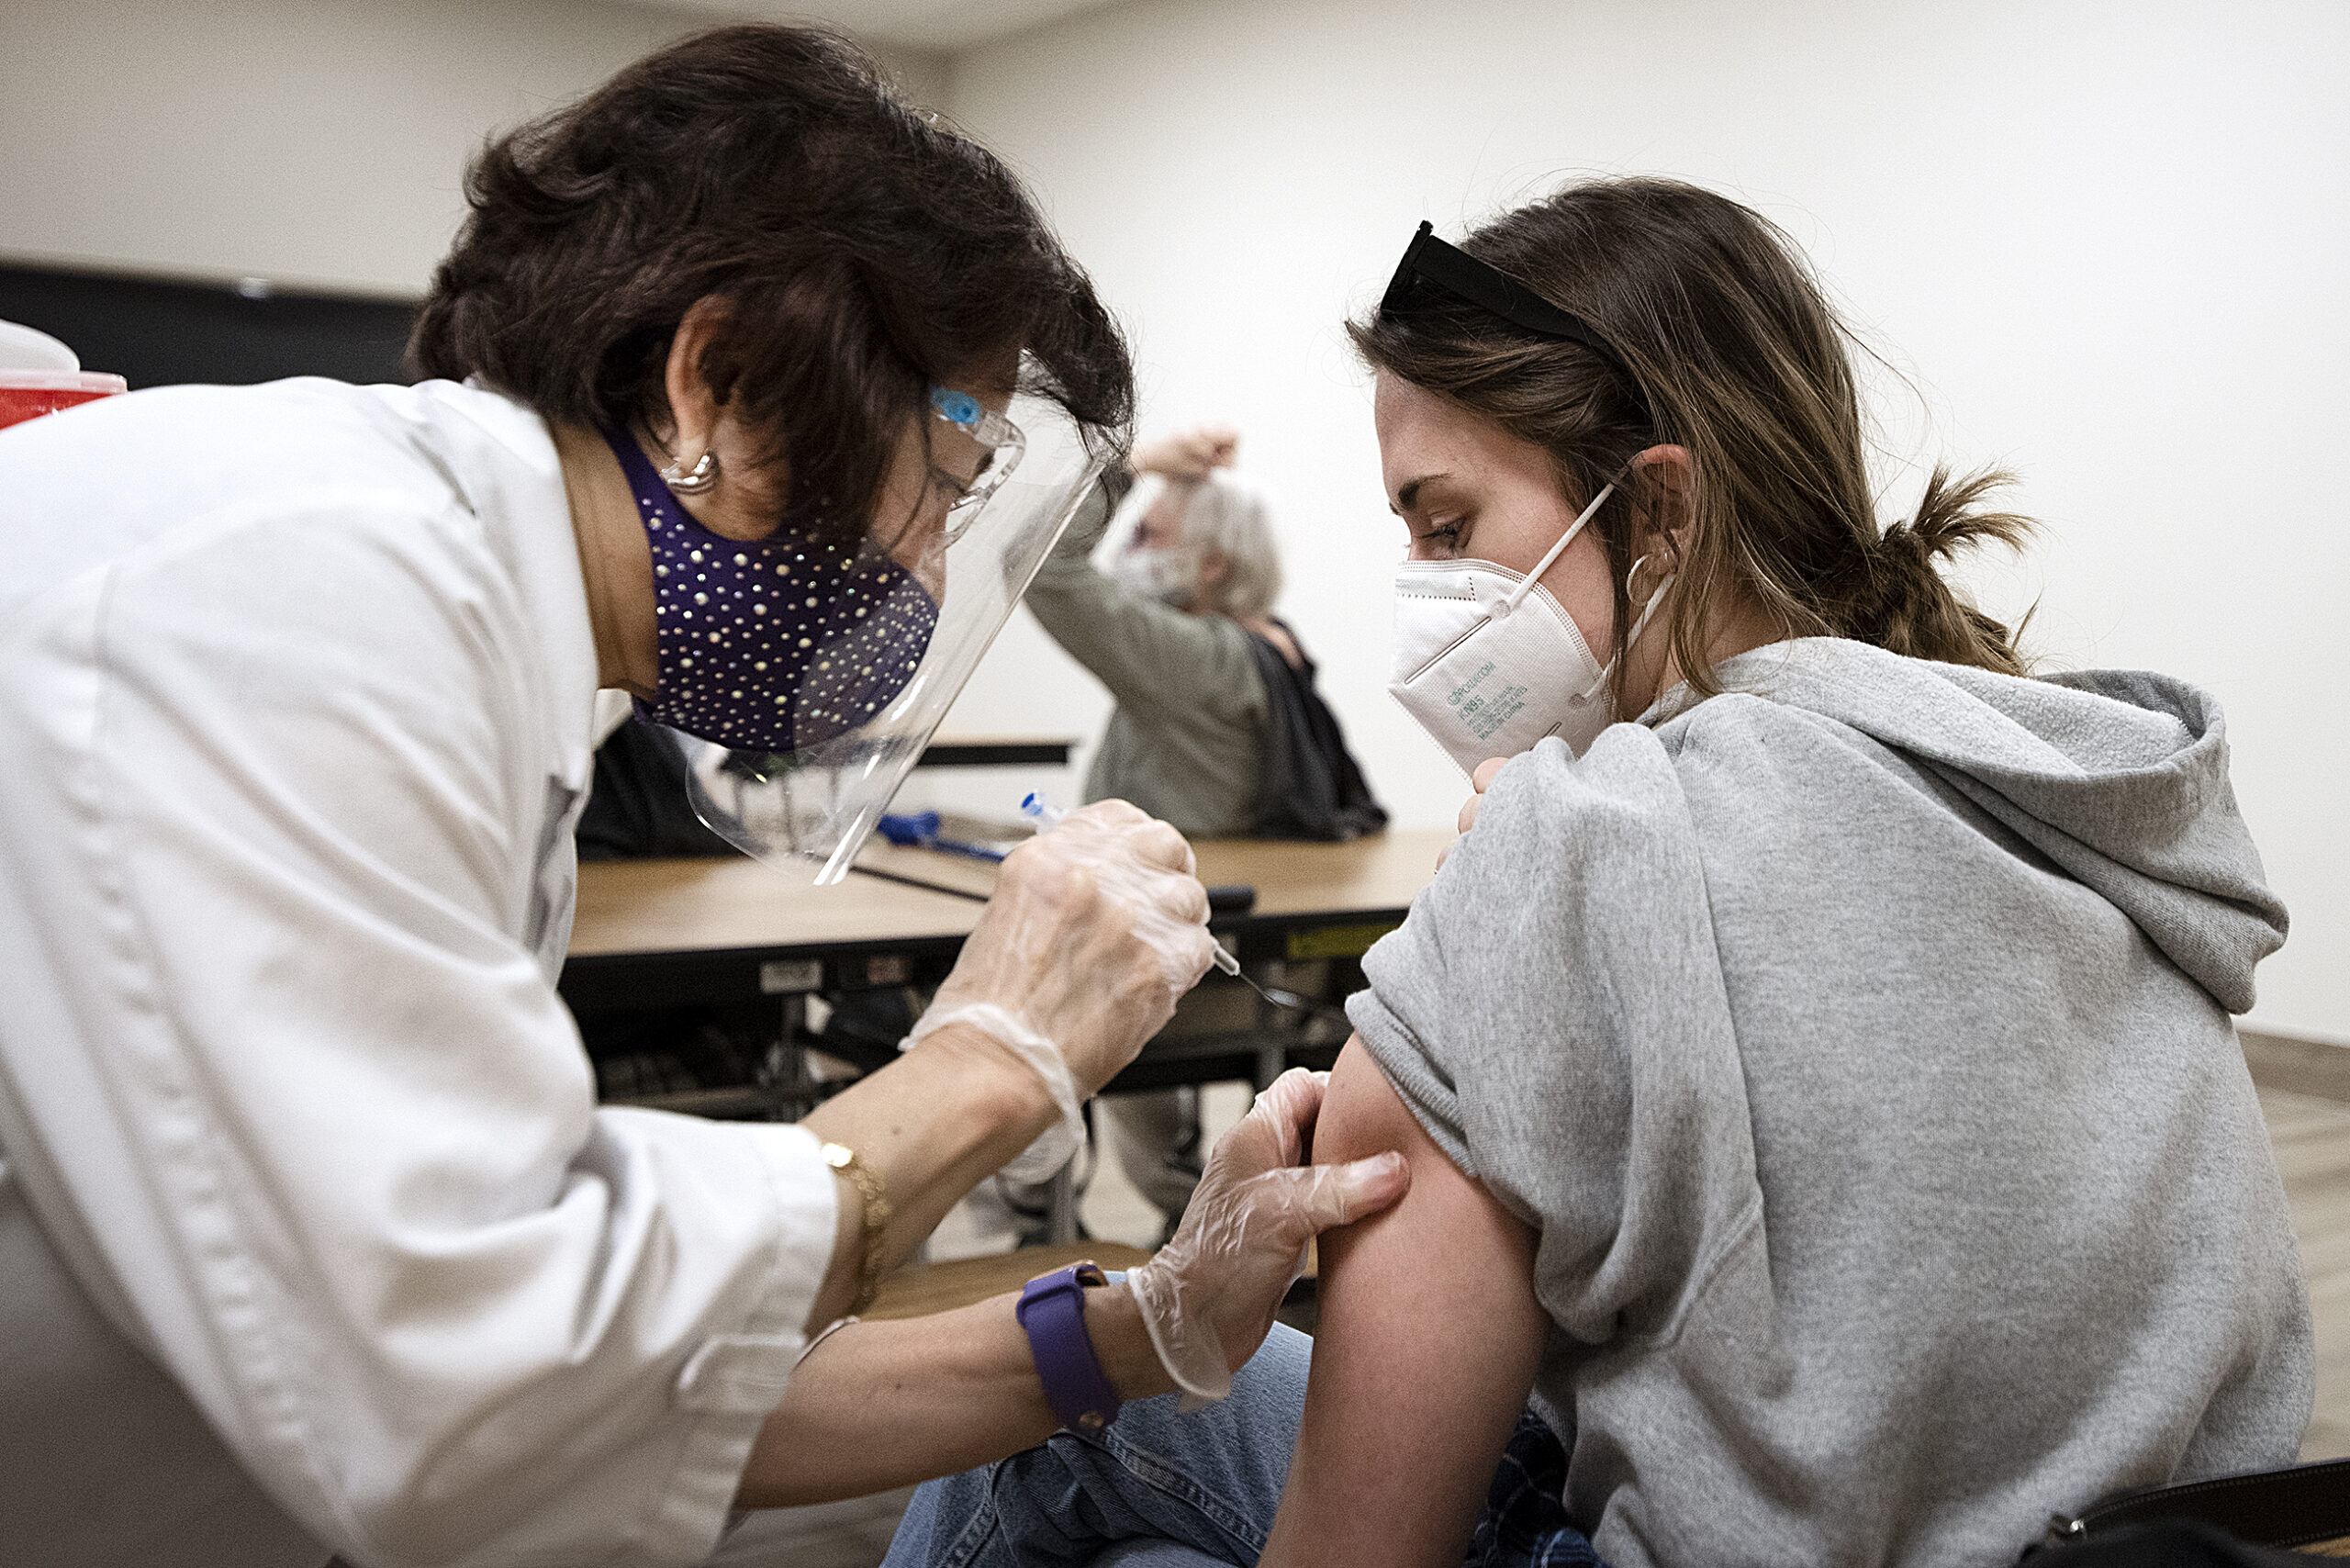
point(1740, 360)
point(862, 250)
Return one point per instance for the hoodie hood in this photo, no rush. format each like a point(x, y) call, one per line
point(2120, 777)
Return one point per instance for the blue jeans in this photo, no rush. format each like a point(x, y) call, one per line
point(1163, 1490)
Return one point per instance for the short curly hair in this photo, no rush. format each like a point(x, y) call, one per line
point(862, 249)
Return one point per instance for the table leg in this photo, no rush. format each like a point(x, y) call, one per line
point(1273, 1048)
point(790, 1085)
point(1061, 1229)
point(1272, 1059)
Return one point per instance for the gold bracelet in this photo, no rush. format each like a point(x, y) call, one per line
point(875, 1197)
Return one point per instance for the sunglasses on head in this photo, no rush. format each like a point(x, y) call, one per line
point(1429, 262)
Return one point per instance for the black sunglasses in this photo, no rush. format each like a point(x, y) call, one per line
point(1428, 259)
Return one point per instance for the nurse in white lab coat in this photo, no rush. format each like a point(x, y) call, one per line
point(312, 1237)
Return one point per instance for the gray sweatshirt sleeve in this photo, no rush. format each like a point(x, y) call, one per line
point(1153, 658)
point(1553, 1012)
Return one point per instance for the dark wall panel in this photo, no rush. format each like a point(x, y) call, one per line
point(159, 331)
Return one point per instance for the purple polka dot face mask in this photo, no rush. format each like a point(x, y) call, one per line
point(771, 644)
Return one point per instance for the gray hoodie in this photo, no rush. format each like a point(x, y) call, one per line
point(1858, 1042)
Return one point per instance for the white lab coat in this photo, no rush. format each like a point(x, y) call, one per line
point(311, 1234)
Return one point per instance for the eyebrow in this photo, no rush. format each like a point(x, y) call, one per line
point(1408, 496)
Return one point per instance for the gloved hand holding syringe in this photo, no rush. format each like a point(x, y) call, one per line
point(1060, 997)
point(1046, 817)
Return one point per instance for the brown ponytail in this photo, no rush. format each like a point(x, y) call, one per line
point(1728, 349)
point(1901, 601)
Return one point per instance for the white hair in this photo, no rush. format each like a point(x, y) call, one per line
point(1229, 515)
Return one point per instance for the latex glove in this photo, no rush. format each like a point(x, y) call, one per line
point(1187, 454)
point(1478, 782)
point(1094, 931)
point(1208, 1297)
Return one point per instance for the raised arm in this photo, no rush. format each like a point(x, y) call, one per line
point(1152, 656)
point(1428, 1345)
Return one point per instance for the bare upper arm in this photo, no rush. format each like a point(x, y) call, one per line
point(1428, 1344)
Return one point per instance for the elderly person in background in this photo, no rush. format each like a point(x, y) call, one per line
point(1218, 728)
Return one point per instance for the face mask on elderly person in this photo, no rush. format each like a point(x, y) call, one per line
point(1169, 574)
point(1161, 557)
point(1201, 545)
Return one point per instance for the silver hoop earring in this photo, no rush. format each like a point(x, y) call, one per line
point(704, 476)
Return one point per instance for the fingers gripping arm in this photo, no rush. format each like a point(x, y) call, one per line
point(1428, 1345)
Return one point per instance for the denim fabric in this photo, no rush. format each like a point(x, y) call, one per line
point(1160, 1489)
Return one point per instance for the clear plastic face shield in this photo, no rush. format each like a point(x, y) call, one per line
point(880, 648)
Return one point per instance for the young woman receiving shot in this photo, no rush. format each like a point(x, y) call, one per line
point(1820, 1091)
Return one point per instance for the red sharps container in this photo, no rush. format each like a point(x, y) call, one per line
point(40, 375)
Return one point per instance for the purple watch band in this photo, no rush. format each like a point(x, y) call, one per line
point(1052, 1311)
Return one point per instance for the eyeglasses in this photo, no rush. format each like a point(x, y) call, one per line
point(1428, 262)
point(999, 435)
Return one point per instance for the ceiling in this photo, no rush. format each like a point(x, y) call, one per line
point(945, 25)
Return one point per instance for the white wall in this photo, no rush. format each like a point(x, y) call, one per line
point(2110, 241)
point(285, 139)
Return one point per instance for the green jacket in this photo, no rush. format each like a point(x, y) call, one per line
point(1187, 740)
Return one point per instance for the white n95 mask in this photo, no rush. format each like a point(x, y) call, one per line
point(1488, 662)
point(1169, 574)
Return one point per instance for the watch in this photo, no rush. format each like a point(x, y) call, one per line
point(1052, 1311)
